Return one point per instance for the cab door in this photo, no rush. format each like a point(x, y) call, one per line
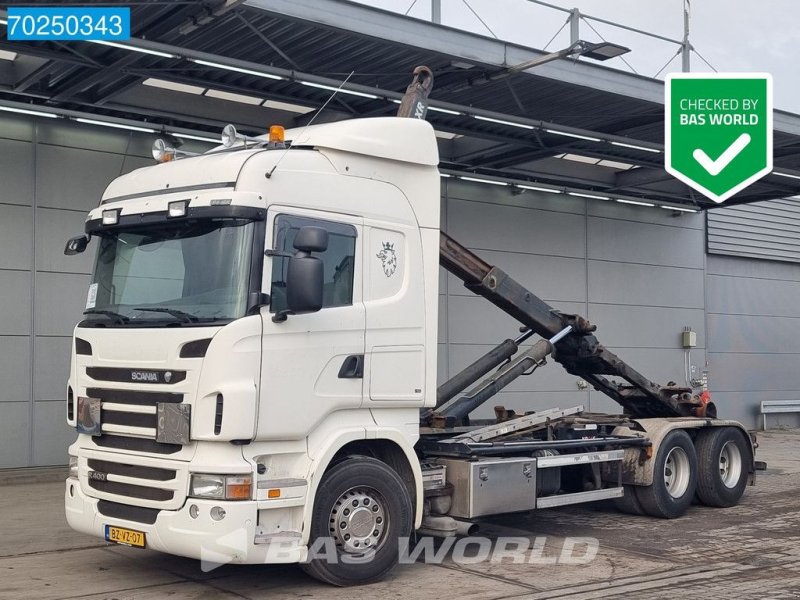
point(312, 363)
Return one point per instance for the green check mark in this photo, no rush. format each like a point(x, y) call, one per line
point(715, 167)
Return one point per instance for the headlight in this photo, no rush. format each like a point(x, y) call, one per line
point(222, 487)
point(73, 466)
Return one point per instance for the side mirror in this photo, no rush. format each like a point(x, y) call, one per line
point(304, 280)
point(76, 245)
point(311, 239)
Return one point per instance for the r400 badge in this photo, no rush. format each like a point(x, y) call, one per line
point(718, 136)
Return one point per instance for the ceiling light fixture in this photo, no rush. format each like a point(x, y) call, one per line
point(25, 111)
point(199, 138)
point(173, 86)
point(679, 209)
point(478, 180)
point(502, 122)
point(786, 175)
point(592, 196)
point(332, 88)
point(207, 63)
point(134, 48)
point(287, 106)
point(231, 97)
point(573, 135)
point(538, 189)
point(635, 147)
point(115, 125)
point(636, 202)
point(446, 111)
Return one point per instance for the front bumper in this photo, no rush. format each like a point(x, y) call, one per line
point(230, 540)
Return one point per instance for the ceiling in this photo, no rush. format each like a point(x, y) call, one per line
point(570, 125)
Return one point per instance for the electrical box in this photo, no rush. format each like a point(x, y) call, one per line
point(689, 339)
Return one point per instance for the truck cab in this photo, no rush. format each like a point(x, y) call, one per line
point(256, 315)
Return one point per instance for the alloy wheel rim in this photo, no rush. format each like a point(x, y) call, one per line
point(358, 521)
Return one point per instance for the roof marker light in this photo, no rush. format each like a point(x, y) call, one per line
point(111, 217)
point(635, 147)
point(177, 208)
point(332, 88)
point(502, 122)
point(573, 135)
point(207, 63)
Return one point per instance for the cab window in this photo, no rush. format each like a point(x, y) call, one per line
point(338, 260)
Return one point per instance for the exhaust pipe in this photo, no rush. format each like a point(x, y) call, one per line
point(444, 526)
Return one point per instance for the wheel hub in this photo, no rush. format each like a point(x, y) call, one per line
point(358, 521)
point(676, 472)
point(730, 465)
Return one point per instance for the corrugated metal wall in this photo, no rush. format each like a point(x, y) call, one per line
point(637, 272)
point(766, 230)
point(753, 310)
point(52, 173)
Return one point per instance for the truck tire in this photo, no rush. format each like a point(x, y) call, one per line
point(629, 503)
point(674, 478)
point(724, 458)
point(362, 511)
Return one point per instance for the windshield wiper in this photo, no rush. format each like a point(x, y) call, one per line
point(115, 316)
point(178, 314)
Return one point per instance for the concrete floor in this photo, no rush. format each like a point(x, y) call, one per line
point(751, 551)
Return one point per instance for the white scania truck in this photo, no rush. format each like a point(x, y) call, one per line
point(255, 372)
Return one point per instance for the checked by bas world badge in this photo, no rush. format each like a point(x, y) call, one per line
point(718, 136)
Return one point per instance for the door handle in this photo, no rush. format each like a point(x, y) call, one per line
point(352, 367)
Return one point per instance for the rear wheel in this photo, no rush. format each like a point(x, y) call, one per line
point(674, 478)
point(629, 503)
point(361, 512)
point(724, 458)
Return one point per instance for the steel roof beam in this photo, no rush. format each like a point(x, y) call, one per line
point(381, 92)
point(388, 26)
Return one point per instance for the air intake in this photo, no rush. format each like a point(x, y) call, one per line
point(218, 415)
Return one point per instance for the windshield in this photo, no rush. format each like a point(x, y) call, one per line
point(189, 272)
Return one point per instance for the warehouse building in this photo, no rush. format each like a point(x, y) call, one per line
point(571, 200)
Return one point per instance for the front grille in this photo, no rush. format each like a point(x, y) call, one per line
point(116, 510)
point(136, 482)
point(114, 417)
point(134, 444)
point(134, 397)
point(113, 468)
point(121, 409)
point(146, 376)
point(132, 491)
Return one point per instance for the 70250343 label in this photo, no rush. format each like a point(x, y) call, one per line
point(27, 23)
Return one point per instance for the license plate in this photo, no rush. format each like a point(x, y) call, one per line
point(127, 537)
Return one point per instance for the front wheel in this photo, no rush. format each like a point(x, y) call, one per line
point(674, 478)
point(362, 511)
point(724, 456)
